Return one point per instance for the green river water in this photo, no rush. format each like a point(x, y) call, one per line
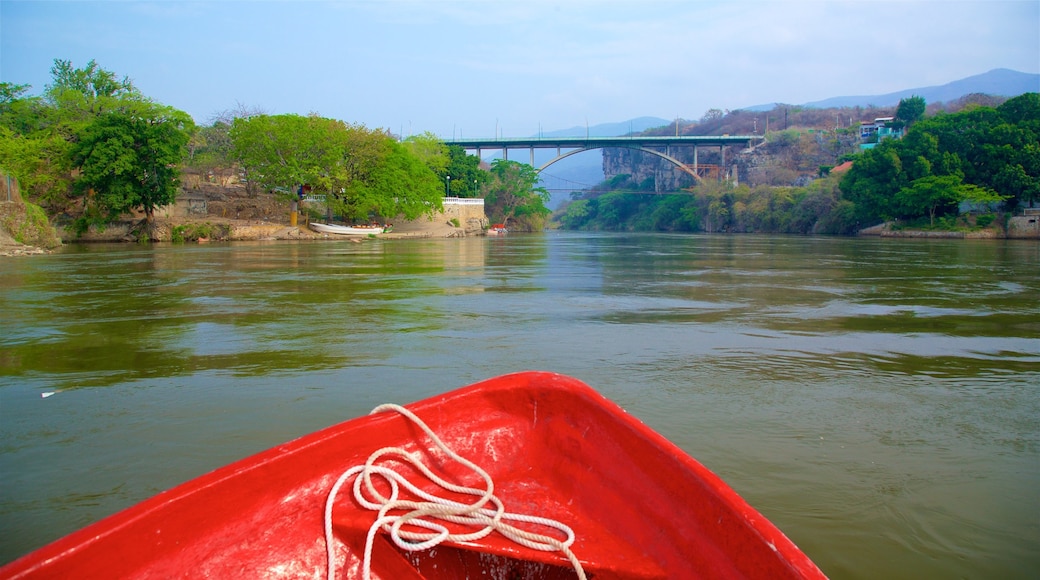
point(878, 400)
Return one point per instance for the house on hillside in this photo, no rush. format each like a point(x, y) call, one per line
point(872, 133)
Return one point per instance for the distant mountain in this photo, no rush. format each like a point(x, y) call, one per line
point(586, 169)
point(997, 82)
point(611, 129)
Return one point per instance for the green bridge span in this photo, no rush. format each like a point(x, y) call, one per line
point(661, 146)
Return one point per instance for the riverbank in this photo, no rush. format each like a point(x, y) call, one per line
point(207, 230)
point(203, 231)
point(1024, 227)
point(12, 247)
point(24, 230)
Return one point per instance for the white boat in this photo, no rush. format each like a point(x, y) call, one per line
point(348, 230)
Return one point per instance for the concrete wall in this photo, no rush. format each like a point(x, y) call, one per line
point(469, 214)
point(464, 210)
point(1024, 227)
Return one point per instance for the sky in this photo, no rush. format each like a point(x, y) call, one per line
point(514, 68)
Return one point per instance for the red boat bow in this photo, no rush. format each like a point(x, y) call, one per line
point(639, 506)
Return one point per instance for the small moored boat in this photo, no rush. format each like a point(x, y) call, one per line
point(348, 230)
point(529, 475)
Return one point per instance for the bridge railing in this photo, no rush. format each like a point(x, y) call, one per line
point(463, 201)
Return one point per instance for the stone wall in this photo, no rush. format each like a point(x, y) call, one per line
point(1024, 227)
point(467, 213)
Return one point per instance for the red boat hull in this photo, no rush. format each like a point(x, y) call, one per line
point(639, 506)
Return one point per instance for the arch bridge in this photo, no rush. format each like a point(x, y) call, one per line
point(567, 146)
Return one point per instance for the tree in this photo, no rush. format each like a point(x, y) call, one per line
point(712, 115)
point(32, 149)
point(28, 151)
point(467, 178)
point(400, 184)
point(429, 149)
point(361, 171)
point(939, 195)
point(279, 153)
point(873, 181)
point(1020, 177)
point(511, 195)
point(128, 161)
point(78, 95)
point(211, 152)
point(911, 110)
point(985, 148)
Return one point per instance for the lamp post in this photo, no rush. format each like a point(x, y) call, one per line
point(447, 186)
point(475, 188)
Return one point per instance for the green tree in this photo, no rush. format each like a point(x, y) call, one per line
point(400, 184)
point(361, 171)
point(430, 150)
point(32, 149)
point(28, 151)
point(576, 215)
point(467, 178)
point(128, 161)
point(1019, 178)
point(988, 149)
point(78, 95)
point(281, 152)
point(873, 181)
point(511, 194)
point(911, 110)
point(941, 195)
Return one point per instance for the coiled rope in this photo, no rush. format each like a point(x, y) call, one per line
point(426, 513)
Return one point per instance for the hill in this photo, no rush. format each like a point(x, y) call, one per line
point(581, 171)
point(999, 82)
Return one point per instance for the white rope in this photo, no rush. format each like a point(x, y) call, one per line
point(426, 513)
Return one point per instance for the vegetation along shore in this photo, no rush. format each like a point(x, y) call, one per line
point(93, 159)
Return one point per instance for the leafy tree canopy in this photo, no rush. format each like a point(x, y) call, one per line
point(467, 178)
point(123, 147)
point(79, 94)
point(128, 160)
point(911, 110)
point(992, 150)
point(941, 194)
point(361, 172)
point(511, 194)
point(429, 149)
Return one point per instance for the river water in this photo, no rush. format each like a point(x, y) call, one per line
point(878, 400)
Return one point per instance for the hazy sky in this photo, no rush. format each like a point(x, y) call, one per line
point(465, 67)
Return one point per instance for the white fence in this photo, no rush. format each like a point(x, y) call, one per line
point(463, 201)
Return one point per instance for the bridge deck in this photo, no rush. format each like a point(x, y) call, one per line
point(599, 142)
